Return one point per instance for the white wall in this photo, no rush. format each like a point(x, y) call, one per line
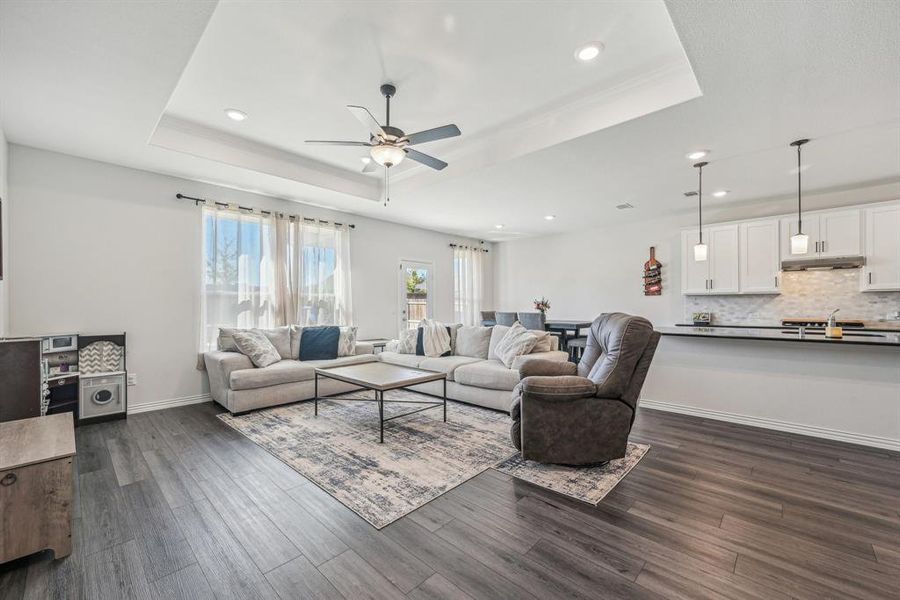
point(4, 217)
point(103, 248)
point(844, 393)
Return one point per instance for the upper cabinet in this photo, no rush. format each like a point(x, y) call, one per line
point(760, 263)
point(720, 272)
point(831, 233)
point(882, 270)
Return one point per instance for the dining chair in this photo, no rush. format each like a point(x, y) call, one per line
point(532, 320)
point(506, 318)
point(488, 318)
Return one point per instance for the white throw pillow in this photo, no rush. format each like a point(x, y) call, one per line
point(473, 342)
point(257, 347)
point(516, 342)
point(497, 333)
point(407, 342)
point(347, 341)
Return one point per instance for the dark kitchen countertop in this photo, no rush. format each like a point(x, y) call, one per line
point(852, 337)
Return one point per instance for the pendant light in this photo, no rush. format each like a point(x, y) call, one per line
point(701, 250)
point(799, 241)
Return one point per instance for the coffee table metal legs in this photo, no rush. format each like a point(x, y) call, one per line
point(445, 400)
point(316, 396)
point(380, 397)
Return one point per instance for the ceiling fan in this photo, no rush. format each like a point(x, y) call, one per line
point(388, 145)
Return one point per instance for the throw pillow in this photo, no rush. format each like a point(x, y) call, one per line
point(319, 343)
point(516, 342)
point(257, 347)
point(280, 338)
point(543, 343)
point(407, 342)
point(473, 341)
point(497, 333)
point(347, 341)
point(225, 341)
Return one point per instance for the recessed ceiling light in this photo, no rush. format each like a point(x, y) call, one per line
point(235, 114)
point(720, 193)
point(589, 51)
point(624, 206)
point(498, 226)
point(697, 154)
point(550, 217)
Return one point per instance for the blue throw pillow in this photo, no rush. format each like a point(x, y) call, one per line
point(319, 343)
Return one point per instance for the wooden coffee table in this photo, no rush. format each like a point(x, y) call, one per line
point(381, 377)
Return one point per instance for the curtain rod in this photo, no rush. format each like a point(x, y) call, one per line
point(199, 201)
point(471, 247)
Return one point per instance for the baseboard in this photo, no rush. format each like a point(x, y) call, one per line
point(798, 428)
point(169, 403)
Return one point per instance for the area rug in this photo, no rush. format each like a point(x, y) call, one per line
point(588, 484)
point(421, 457)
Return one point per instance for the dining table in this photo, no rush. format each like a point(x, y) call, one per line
point(567, 329)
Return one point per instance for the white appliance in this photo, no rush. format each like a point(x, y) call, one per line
point(59, 343)
point(102, 396)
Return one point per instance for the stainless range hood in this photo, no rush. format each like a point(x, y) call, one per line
point(823, 264)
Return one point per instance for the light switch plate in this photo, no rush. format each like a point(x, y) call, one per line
point(132, 379)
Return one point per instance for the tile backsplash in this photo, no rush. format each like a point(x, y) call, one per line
point(803, 294)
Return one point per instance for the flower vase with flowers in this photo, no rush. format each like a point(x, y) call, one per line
point(542, 305)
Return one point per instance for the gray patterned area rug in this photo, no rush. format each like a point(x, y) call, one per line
point(421, 457)
point(588, 484)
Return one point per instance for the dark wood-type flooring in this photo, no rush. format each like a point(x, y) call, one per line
point(173, 504)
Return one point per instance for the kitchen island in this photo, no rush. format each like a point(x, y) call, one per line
point(863, 337)
point(846, 389)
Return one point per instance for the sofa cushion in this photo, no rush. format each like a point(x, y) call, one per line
point(285, 371)
point(516, 342)
point(399, 358)
point(279, 336)
point(446, 364)
point(342, 361)
point(554, 355)
point(473, 341)
point(497, 333)
point(319, 343)
point(347, 341)
point(254, 344)
point(489, 374)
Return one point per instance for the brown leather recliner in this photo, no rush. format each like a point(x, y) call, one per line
point(582, 414)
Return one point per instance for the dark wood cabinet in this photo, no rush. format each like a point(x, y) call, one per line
point(20, 379)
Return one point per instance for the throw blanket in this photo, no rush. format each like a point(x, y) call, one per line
point(435, 338)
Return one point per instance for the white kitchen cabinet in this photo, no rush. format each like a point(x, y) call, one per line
point(882, 270)
point(759, 257)
point(720, 273)
point(831, 233)
point(839, 233)
point(724, 265)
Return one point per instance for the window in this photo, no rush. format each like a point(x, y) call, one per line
point(467, 284)
point(266, 271)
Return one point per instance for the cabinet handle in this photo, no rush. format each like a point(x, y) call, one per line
point(817, 247)
point(776, 281)
point(8, 479)
point(823, 245)
point(870, 277)
point(710, 284)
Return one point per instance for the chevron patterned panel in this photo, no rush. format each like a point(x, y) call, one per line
point(100, 357)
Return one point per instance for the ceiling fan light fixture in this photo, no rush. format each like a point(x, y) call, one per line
point(387, 155)
point(697, 154)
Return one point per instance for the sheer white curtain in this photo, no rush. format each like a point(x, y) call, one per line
point(266, 271)
point(238, 272)
point(467, 284)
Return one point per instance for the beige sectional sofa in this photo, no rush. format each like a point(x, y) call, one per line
point(239, 386)
point(484, 381)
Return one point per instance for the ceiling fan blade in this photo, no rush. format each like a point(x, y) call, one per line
point(426, 160)
point(431, 135)
point(336, 143)
point(365, 117)
point(370, 166)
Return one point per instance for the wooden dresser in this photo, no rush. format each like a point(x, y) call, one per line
point(36, 481)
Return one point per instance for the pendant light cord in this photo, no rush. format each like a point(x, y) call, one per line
point(700, 166)
point(799, 194)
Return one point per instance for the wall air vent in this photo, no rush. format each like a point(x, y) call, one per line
point(624, 206)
